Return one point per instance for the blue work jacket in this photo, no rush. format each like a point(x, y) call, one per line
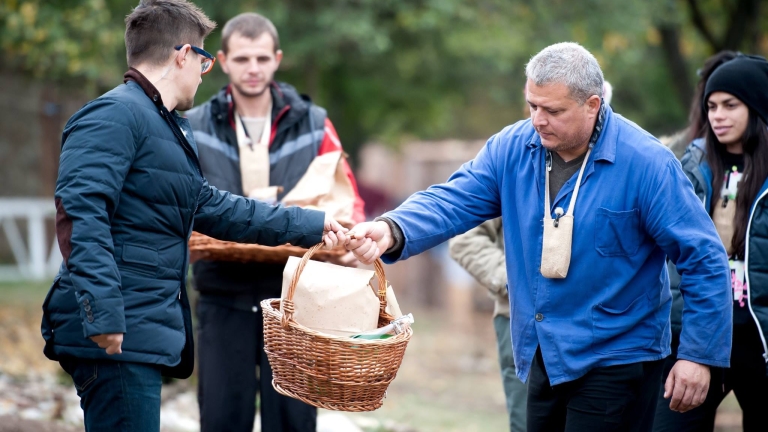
point(634, 208)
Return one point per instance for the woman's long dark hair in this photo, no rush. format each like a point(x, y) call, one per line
point(755, 146)
point(697, 117)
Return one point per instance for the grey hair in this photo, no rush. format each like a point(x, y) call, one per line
point(568, 63)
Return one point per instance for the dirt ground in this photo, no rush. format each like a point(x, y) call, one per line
point(15, 424)
point(449, 379)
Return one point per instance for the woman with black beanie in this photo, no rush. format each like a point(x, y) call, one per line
point(729, 171)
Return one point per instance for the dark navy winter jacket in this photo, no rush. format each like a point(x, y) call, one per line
point(129, 192)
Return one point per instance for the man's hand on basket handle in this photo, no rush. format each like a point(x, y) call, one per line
point(333, 233)
point(111, 342)
point(369, 240)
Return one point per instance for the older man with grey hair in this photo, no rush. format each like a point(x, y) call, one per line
point(591, 207)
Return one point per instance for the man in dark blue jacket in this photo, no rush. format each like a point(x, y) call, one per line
point(129, 191)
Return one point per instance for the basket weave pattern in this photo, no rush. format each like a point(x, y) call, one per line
point(335, 373)
point(209, 248)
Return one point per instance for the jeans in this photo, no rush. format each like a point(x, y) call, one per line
point(116, 396)
point(613, 398)
point(515, 391)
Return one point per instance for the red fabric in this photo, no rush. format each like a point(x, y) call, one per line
point(273, 131)
point(331, 143)
point(63, 230)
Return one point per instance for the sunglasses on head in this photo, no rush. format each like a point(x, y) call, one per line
point(207, 64)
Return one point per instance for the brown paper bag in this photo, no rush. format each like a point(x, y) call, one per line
point(336, 300)
point(325, 186)
point(392, 307)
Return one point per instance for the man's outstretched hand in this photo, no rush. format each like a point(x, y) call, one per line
point(687, 384)
point(370, 240)
point(111, 342)
point(333, 233)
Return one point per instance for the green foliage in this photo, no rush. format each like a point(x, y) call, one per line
point(392, 70)
point(59, 39)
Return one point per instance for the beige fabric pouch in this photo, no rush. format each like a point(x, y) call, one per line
point(558, 233)
point(723, 216)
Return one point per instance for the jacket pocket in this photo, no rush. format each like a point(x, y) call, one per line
point(617, 233)
point(140, 258)
point(46, 325)
point(630, 329)
point(47, 300)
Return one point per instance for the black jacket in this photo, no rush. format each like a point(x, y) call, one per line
point(298, 130)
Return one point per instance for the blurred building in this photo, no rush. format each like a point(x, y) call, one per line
point(432, 278)
point(32, 117)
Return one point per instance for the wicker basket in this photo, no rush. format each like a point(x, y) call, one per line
point(209, 248)
point(335, 373)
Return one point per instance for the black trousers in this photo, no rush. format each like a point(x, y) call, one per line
point(230, 347)
point(746, 377)
point(614, 398)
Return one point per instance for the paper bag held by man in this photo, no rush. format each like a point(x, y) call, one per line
point(325, 186)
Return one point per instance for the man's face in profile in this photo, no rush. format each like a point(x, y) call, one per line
point(189, 78)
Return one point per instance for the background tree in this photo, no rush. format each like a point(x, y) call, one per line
point(395, 70)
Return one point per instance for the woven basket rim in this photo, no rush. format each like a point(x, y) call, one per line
point(266, 306)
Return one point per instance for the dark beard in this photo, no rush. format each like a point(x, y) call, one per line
point(250, 94)
point(573, 143)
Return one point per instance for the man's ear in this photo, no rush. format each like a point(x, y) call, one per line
point(593, 104)
point(222, 61)
point(181, 55)
point(278, 57)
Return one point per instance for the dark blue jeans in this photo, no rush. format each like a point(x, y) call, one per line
point(117, 396)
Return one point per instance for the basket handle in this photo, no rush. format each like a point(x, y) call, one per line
point(287, 305)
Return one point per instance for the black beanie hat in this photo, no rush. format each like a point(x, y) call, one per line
point(745, 77)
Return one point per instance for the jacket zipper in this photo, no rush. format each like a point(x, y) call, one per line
point(746, 274)
point(175, 128)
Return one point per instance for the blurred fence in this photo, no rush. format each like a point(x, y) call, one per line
point(27, 227)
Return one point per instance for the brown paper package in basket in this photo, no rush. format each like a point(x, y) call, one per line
point(330, 372)
point(325, 186)
point(336, 300)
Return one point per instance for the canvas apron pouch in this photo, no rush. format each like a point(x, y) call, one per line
point(558, 233)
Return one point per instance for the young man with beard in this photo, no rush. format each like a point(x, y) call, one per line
point(129, 192)
point(257, 138)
